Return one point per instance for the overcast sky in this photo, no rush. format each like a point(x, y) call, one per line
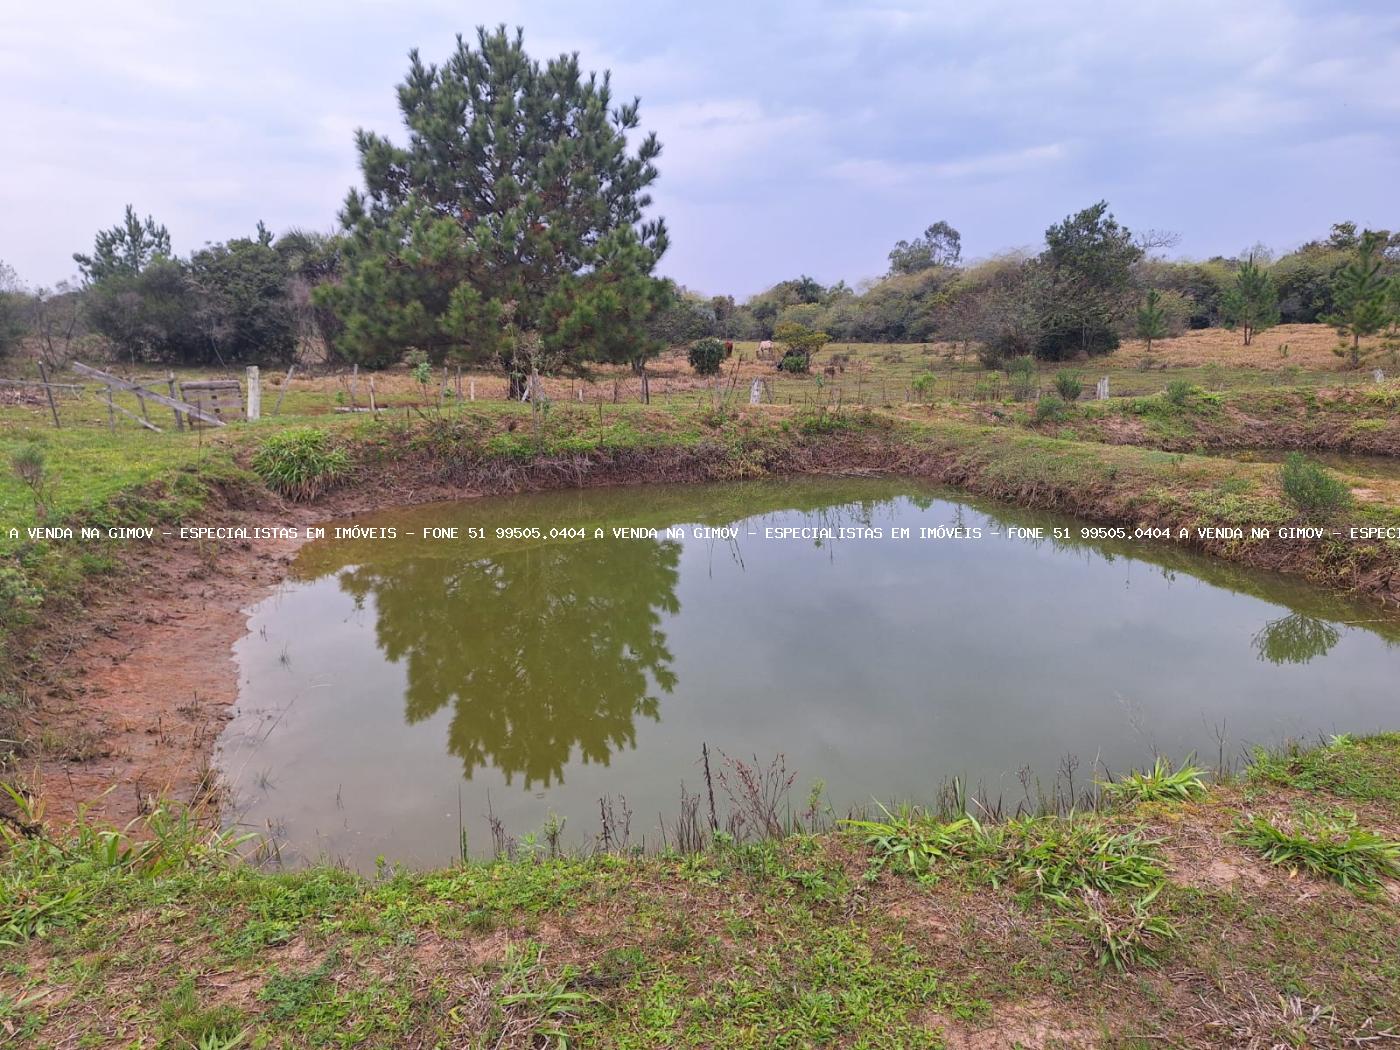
point(797, 138)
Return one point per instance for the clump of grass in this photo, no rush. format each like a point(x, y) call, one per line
point(1333, 847)
point(1055, 856)
point(916, 842)
point(1122, 934)
point(1045, 856)
point(300, 463)
point(1310, 487)
point(536, 1007)
point(1161, 783)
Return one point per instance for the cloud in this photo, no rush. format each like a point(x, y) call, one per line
point(881, 174)
point(792, 141)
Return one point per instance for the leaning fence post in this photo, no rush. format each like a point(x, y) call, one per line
point(48, 390)
point(111, 413)
point(254, 409)
point(174, 396)
point(277, 408)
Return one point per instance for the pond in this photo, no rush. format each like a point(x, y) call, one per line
point(396, 690)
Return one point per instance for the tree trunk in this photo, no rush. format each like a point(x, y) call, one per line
point(516, 387)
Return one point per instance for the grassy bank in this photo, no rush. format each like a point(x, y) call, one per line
point(1256, 912)
point(1188, 417)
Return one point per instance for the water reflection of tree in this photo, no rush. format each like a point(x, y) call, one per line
point(538, 650)
point(1295, 639)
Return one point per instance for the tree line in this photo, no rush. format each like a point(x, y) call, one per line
point(508, 232)
point(1094, 284)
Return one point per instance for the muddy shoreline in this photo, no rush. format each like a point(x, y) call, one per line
point(140, 686)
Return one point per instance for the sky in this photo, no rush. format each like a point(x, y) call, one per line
point(798, 138)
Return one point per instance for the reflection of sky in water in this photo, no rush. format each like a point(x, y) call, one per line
point(546, 675)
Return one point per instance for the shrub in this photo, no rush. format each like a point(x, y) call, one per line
point(1161, 783)
point(706, 356)
point(1050, 408)
point(795, 363)
point(1336, 848)
point(1067, 384)
point(1021, 373)
point(1178, 392)
point(923, 385)
point(28, 465)
point(299, 463)
point(1311, 488)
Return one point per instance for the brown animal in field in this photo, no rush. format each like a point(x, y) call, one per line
point(830, 371)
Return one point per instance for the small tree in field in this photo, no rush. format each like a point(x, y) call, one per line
point(706, 356)
point(1361, 296)
point(799, 344)
point(1252, 304)
point(1152, 318)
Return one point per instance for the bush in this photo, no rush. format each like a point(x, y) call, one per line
point(1067, 384)
point(1021, 372)
point(923, 385)
point(795, 363)
point(1178, 392)
point(300, 464)
point(1051, 408)
point(1311, 488)
point(706, 356)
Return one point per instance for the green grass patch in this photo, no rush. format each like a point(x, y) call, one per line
point(1161, 783)
point(1332, 846)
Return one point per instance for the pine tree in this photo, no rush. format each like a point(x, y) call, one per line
point(1152, 318)
point(126, 249)
point(509, 230)
point(1360, 296)
point(1252, 304)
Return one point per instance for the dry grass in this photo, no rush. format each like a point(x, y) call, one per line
point(1307, 346)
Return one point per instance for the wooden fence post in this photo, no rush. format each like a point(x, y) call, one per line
point(111, 412)
point(174, 396)
point(48, 390)
point(254, 403)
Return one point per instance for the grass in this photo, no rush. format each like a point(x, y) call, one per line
point(1330, 846)
point(1360, 770)
point(300, 463)
point(1161, 783)
point(1061, 926)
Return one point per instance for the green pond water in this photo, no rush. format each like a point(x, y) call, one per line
point(393, 687)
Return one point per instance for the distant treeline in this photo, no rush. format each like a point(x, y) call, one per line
point(508, 232)
point(254, 298)
point(1082, 294)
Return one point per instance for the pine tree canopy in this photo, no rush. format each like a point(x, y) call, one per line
point(509, 229)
